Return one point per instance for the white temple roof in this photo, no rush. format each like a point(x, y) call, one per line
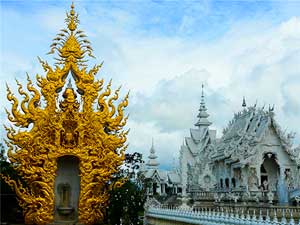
point(174, 177)
point(202, 135)
point(149, 173)
point(246, 130)
point(161, 174)
point(203, 115)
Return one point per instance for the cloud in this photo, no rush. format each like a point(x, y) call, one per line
point(163, 52)
point(263, 66)
point(173, 103)
point(166, 143)
point(290, 93)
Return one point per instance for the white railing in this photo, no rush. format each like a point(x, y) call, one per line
point(218, 217)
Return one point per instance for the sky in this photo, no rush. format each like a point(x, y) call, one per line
point(163, 51)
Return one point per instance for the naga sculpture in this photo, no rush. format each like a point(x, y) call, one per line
point(52, 124)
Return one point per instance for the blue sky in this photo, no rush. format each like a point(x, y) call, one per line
point(163, 51)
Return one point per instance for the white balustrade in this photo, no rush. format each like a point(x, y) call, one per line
point(208, 216)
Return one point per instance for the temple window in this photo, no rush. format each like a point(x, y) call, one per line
point(233, 182)
point(227, 182)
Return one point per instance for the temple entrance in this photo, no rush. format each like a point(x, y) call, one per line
point(269, 173)
point(154, 188)
point(67, 188)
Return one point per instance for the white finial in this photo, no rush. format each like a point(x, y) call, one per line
point(152, 150)
point(203, 115)
point(244, 102)
point(69, 84)
point(202, 104)
point(152, 163)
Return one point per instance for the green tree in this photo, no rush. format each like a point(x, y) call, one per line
point(10, 210)
point(126, 203)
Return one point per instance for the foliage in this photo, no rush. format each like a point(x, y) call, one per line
point(12, 211)
point(126, 205)
point(126, 202)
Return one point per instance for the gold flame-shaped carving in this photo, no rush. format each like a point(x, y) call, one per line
point(91, 130)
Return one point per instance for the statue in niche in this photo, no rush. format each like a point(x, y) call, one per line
point(289, 180)
point(69, 104)
point(265, 185)
point(207, 180)
point(69, 135)
point(64, 193)
point(237, 175)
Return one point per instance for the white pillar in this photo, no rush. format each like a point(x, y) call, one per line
point(158, 188)
point(258, 174)
point(163, 188)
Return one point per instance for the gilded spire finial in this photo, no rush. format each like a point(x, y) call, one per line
point(72, 19)
point(71, 44)
point(92, 131)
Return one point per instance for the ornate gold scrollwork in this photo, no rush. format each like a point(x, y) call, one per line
point(89, 130)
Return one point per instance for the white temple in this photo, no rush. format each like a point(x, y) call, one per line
point(254, 159)
point(159, 181)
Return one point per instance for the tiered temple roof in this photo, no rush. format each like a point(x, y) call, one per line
point(246, 130)
point(201, 136)
point(152, 163)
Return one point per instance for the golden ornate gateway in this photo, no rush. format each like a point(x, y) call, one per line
point(54, 127)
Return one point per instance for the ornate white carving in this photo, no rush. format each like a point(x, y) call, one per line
point(218, 196)
point(207, 180)
point(270, 196)
point(151, 202)
point(245, 141)
point(233, 196)
point(253, 180)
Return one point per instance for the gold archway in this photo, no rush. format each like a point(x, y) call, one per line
point(91, 130)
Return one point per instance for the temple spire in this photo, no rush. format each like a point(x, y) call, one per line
point(203, 115)
point(70, 44)
point(244, 102)
point(72, 19)
point(152, 163)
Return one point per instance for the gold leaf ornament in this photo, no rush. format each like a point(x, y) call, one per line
point(52, 123)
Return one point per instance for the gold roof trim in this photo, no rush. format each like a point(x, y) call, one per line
point(90, 129)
